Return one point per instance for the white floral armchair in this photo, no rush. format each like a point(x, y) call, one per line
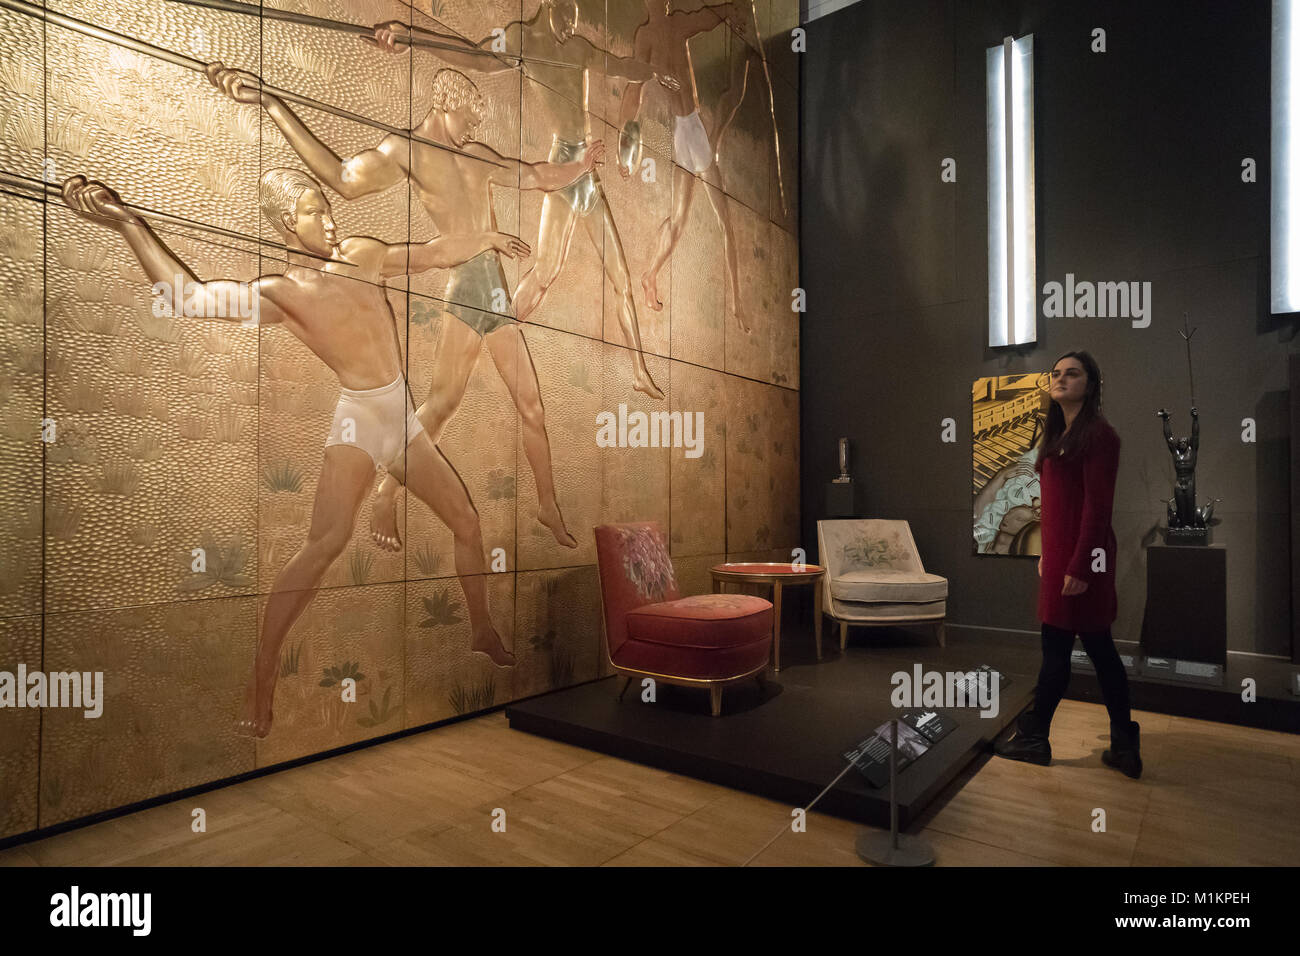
point(874, 577)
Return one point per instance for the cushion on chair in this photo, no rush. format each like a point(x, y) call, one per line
point(703, 620)
point(885, 585)
point(885, 613)
point(707, 636)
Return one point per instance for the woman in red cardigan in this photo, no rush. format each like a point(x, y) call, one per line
point(1078, 458)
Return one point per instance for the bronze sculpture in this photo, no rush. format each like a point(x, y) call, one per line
point(1188, 524)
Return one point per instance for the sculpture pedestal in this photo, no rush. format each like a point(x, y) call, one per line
point(841, 499)
point(1187, 536)
point(1187, 603)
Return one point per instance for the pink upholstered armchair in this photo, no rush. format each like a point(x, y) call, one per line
point(708, 640)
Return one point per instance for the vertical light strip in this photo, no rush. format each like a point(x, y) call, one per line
point(1284, 225)
point(1010, 133)
point(995, 134)
point(1009, 152)
point(1022, 168)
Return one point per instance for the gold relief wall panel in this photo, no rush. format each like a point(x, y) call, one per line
point(173, 685)
point(189, 30)
point(782, 18)
point(383, 215)
point(22, 94)
point(444, 676)
point(478, 441)
point(711, 55)
point(750, 353)
point(698, 484)
point(783, 204)
point(699, 296)
point(783, 279)
point(542, 44)
point(473, 21)
point(762, 466)
point(346, 633)
point(495, 75)
point(692, 572)
point(499, 85)
point(20, 730)
point(745, 151)
point(176, 434)
point(638, 209)
point(570, 280)
point(654, 115)
point(22, 367)
point(157, 132)
point(432, 284)
point(557, 629)
point(296, 400)
point(298, 397)
point(339, 68)
point(157, 424)
point(570, 371)
point(766, 554)
point(605, 94)
point(634, 481)
point(500, 130)
point(783, 440)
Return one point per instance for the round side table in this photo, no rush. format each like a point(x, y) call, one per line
point(779, 576)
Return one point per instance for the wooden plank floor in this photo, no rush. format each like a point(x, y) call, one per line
point(1211, 794)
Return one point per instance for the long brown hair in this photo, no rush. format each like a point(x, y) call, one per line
point(1056, 440)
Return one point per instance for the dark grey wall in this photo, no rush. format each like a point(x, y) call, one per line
point(1138, 169)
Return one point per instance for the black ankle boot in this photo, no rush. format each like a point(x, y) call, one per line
point(1029, 743)
point(1123, 754)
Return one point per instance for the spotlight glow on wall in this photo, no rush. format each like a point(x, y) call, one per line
point(1013, 300)
point(1284, 221)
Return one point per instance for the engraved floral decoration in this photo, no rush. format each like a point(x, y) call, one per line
point(646, 563)
point(877, 553)
point(729, 602)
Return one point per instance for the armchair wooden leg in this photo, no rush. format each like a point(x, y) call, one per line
point(938, 628)
point(844, 635)
point(715, 699)
point(626, 683)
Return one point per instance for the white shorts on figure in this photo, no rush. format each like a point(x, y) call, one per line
point(383, 421)
point(691, 144)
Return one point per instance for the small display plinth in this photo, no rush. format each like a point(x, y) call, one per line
point(841, 499)
point(1186, 536)
point(1186, 615)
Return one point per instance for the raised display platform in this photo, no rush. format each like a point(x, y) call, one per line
point(786, 742)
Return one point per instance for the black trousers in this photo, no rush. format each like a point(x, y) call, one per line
point(1054, 675)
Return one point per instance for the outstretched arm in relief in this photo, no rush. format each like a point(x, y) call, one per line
point(370, 171)
point(97, 203)
point(443, 252)
point(547, 177)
